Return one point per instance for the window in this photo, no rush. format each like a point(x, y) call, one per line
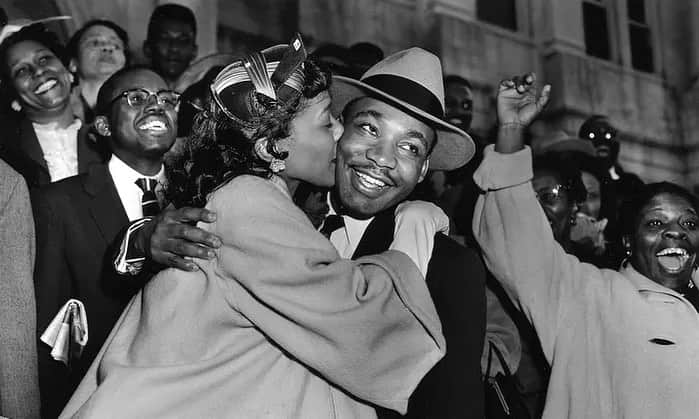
point(498, 12)
point(639, 36)
point(596, 29)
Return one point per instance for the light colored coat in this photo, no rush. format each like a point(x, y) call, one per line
point(19, 386)
point(276, 326)
point(620, 345)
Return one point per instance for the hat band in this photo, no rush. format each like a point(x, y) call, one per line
point(407, 91)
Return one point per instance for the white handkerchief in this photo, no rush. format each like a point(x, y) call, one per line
point(67, 332)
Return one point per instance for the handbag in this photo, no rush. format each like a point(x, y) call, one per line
point(502, 399)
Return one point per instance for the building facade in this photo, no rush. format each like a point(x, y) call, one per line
point(636, 61)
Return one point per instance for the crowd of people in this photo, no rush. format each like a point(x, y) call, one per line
point(295, 234)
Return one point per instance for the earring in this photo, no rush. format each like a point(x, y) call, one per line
point(277, 165)
point(15, 106)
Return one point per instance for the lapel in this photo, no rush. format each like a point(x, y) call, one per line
point(105, 206)
point(378, 235)
point(88, 153)
point(29, 144)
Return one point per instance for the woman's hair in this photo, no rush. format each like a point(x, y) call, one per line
point(630, 213)
point(568, 174)
point(37, 33)
point(72, 48)
point(219, 149)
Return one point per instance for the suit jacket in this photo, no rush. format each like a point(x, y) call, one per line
point(77, 222)
point(456, 281)
point(19, 386)
point(20, 148)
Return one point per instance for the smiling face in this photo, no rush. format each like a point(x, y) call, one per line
point(172, 48)
point(381, 157)
point(100, 53)
point(557, 204)
point(665, 242)
point(40, 79)
point(311, 144)
point(145, 131)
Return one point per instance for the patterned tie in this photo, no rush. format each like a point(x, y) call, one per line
point(149, 202)
point(332, 222)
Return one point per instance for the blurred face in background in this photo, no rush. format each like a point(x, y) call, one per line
point(592, 204)
point(172, 48)
point(555, 200)
point(100, 53)
point(458, 102)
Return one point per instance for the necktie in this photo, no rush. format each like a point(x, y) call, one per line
point(149, 202)
point(332, 222)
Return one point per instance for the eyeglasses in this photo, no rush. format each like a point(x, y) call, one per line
point(553, 195)
point(139, 97)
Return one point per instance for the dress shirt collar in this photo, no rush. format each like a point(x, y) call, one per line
point(352, 232)
point(122, 171)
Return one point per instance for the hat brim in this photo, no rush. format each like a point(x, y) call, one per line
point(568, 145)
point(454, 147)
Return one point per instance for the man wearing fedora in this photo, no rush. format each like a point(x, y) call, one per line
point(394, 131)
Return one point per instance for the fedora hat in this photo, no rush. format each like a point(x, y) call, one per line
point(410, 80)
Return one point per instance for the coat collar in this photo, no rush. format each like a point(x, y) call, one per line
point(29, 143)
point(378, 235)
point(648, 287)
point(88, 153)
point(105, 205)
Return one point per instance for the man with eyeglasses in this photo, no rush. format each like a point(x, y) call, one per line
point(79, 218)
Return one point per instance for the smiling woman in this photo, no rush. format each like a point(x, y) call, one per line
point(661, 235)
point(42, 141)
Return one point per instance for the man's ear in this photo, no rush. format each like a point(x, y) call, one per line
point(101, 125)
point(261, 149)
point(423, 171)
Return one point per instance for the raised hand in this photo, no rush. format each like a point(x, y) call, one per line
point(518, 104)
point(518, 101)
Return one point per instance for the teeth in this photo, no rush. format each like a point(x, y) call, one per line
point(672, 251)
point(45, 87)
point(154, 125)
point(371, 180)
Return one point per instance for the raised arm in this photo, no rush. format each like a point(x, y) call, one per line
point(367, 326)
point(510, 225)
